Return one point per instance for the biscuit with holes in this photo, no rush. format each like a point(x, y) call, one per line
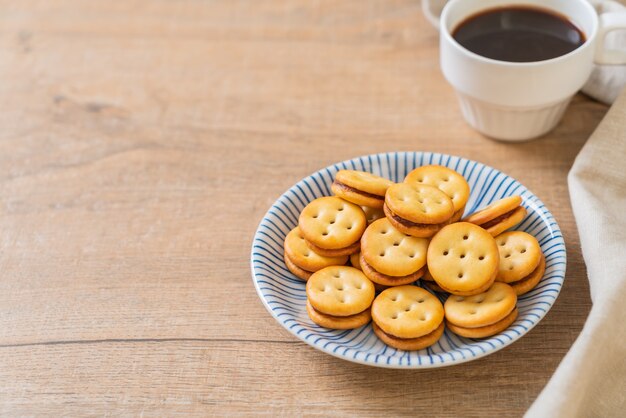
point(332, 227)
point(302, 261)
point(409, 344)
point(487, 330)
point(463, 259)
point(499, 216)
point(529, 282)
point(338, 322)
point(392, 252)
point(338, 297)
point(360, 187)
point(372, 214)
point(445, 179)
point(483, 309)
point(408, 317)
point(418, 210)
point(520, 255)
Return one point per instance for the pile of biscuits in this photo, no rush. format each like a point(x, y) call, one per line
point(362, 250)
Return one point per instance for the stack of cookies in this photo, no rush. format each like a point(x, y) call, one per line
point(378, 236)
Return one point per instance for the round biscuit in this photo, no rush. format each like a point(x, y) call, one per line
point(463, 259)
point(297, 271)
point(340, 291)
point(529, 282)
point(385, 280)
point(445, 179)
point(332, 223)
point(419, 203)
point(486, 331)
point(483, 309)
point(409, 344)
point(372, 214)
point(364, 181)
point(338, 322)
point(302, 256)
point(520, 255)
point(407, 311)
point(391, 252)
point(516, 217)
point(494, 209)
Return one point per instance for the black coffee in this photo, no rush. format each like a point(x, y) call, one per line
point(518, 34)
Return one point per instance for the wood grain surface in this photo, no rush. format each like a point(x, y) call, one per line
point(141, 144)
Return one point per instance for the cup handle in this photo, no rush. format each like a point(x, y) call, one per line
point(428, 12)
point(610, 22)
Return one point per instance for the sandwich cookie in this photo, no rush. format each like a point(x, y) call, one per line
point(339, 297)
point(417, 210)
point(482, 315)
point(499, 215)
point(360, 187)
point(445, 179)
point(301, 260)
point(390, 257)
point(463, 259)
point(332, 227)
point(522, 263)
point(408, 317)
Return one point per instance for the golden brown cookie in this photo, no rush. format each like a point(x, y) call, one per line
point(361, 188)
point(372, 214)
point(463, 259)
point(417, 210)
point(340, 291)
point(445, 179)
point(392, 252)
point(409, 344)
point(297, 271)
point(407, 312)
point(499, 215)
point(332, 227)
point(301, 260)
point(483, 309)
point(529, 282)
point(520, 255)
point(486, 331)
point(338, 322)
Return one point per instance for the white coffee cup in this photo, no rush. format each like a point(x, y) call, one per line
point(516, 101)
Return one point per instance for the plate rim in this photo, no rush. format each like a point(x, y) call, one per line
point(562, 269)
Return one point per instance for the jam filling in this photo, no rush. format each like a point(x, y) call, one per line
point(409, 224)
point(353, 190)
point(498, 219)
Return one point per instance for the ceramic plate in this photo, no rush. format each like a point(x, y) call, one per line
point(284, 295)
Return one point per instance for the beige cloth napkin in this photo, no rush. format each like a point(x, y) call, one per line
point(591, 379)
point(605, 81)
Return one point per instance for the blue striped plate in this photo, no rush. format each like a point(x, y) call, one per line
point(284, 295)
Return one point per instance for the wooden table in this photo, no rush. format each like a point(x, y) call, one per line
point(142, 142)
